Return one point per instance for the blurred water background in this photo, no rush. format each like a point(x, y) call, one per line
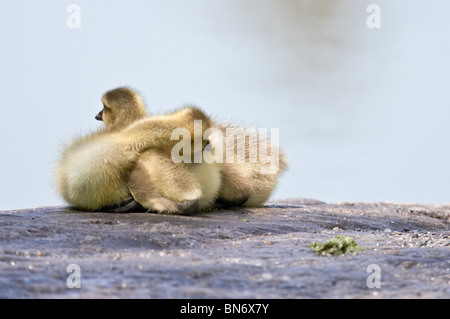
point(363, 113)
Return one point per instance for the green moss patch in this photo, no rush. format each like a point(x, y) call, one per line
point(337, 245)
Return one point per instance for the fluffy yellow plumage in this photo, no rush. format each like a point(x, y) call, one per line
point(130, 159)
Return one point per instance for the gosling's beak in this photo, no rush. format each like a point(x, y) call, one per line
point(99, 116)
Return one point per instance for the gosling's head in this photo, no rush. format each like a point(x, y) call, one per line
point(121, 107)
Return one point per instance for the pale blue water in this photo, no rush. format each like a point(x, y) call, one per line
point(363, 113)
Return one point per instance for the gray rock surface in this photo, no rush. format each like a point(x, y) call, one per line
point(235, 253)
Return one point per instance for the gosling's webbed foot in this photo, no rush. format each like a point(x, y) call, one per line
point(223, 203)
point(188, 207)
point(126, 206)
point(162, 205)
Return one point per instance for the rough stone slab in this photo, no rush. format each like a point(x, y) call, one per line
point(236, 253)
